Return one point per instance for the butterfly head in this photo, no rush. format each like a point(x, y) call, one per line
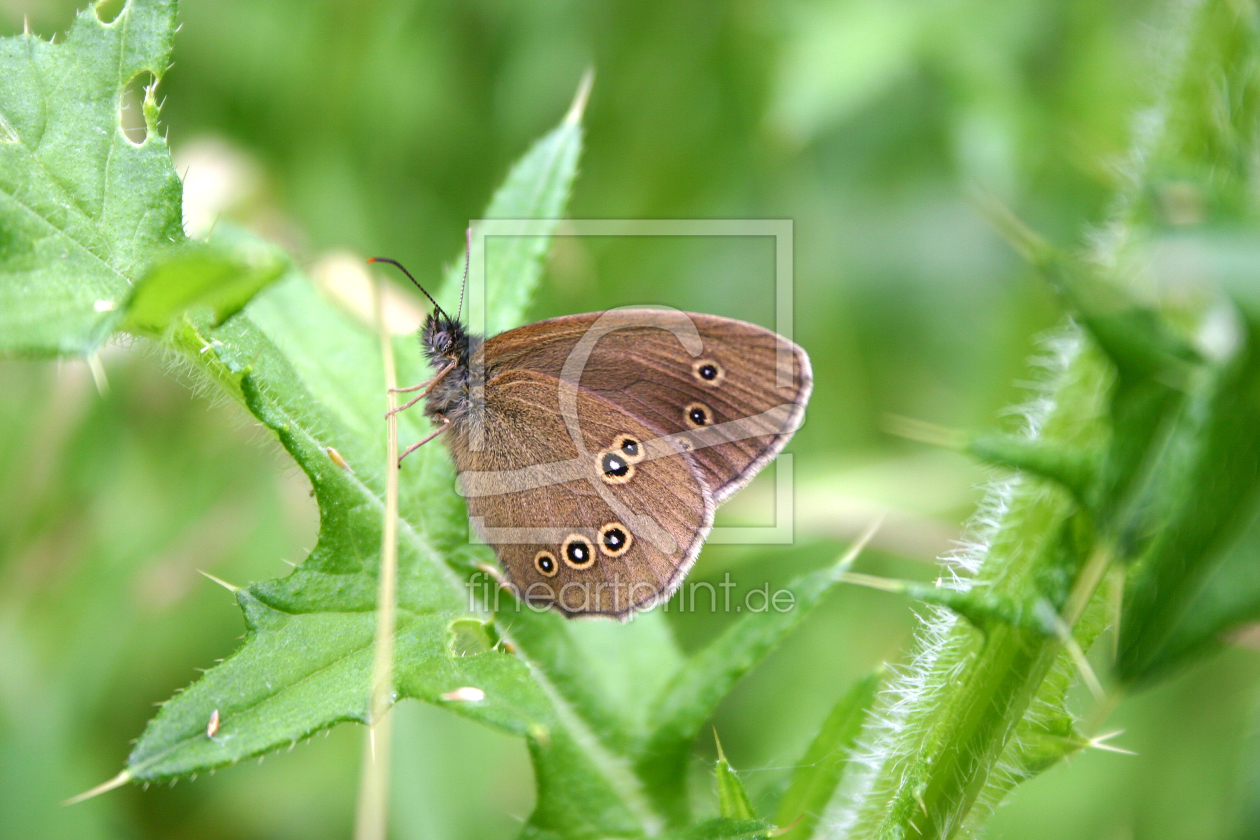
point(444, 338)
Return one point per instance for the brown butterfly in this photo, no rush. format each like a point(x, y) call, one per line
point(593, 449)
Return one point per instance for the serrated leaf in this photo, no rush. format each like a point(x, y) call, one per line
point(83, 210)
point(1152, 366)
point(819, 771)
point(313, 376)
point(973, 716)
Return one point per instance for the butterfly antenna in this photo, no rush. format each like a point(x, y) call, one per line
point(399, 266)
point(467, 259)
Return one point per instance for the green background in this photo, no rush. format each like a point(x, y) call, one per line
point(382, 127)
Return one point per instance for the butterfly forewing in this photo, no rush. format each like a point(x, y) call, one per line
point(731, 392)
point(590, 509)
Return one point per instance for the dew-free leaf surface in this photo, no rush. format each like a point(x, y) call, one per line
point(92, 243)
point(83, 210)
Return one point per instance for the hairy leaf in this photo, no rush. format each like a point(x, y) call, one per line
point(1173, 436)
point(83, 210)
point(91, 242)
point(313, 376)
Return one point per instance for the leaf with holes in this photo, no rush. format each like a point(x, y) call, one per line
point(83, 209)
point(306, 659)
point(92, 243)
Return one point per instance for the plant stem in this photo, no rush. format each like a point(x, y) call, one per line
point(948, 724)
point(372, 818)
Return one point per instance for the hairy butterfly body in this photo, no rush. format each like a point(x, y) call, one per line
point(593, 449)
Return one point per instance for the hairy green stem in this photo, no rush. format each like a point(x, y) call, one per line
point(946, 723)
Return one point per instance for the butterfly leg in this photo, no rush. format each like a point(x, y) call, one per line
point(423, 384)
point(425, 439)
point(427, 385)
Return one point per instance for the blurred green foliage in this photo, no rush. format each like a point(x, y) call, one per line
point(382, 127)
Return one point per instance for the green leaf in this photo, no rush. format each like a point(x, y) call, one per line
point(313, 376)
point(608, 672)
point(1229, 598)
point(78, 264)
point(732, 800)
point(722, 828)
point(690, 698)
point(942, 727)
point(222, 278)
point(1067, 468)
point(537, 188)
point(1204, 492)
point(1175, 437)
point(819, 771)
point(83, 210)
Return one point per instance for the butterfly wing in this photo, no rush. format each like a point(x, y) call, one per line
point(731, 391)
point(590, 510)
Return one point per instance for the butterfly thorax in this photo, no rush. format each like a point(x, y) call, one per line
point(446, 340)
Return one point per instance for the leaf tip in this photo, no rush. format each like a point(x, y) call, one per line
point(98, 373)
point(1099, 742)
point(229, 587)
point(718, 742)
point(574, 116)
point(104, 787)
point(846, 560)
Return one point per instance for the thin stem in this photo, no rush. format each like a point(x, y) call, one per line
point(1087, 583)
point(372, 819)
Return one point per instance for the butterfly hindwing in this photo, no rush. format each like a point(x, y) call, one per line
point(590, 509)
